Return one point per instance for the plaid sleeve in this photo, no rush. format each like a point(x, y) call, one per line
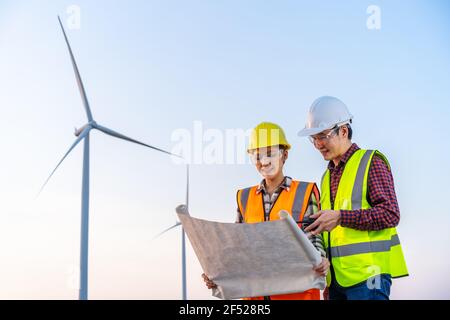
point(385, 212)
point(316, 240)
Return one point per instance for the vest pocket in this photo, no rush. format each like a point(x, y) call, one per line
point(360, 261)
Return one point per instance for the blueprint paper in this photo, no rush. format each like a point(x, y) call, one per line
point(249, 260)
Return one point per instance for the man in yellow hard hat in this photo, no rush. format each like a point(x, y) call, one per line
point(268, 150)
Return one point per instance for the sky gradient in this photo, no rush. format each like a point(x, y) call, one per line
point(153, 67)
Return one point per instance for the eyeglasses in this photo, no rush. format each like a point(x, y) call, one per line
point(269, 154)
point(324, 137)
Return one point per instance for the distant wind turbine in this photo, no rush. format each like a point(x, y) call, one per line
point(83, 134)
point(183, 240)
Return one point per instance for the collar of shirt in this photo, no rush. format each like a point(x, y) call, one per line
point(354, 147)
point(286, 184)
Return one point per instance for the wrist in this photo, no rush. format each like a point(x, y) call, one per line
point(339, 217)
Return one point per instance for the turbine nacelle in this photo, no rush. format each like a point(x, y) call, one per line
point(79, 131)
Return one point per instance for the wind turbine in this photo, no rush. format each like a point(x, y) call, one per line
point(83, 134)
point(183, 241)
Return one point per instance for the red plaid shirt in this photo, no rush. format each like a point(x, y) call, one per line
point(385, 212)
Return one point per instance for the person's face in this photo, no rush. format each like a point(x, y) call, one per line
point(330, 142)
point(269, 161)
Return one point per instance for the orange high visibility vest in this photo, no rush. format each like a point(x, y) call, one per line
point(295, 201)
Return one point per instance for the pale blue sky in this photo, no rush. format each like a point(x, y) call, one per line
point(151, 67)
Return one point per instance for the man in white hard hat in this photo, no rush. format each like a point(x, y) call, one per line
point(359, 208)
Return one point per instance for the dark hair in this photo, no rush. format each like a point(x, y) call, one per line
point(350, 131)
point(349, 128)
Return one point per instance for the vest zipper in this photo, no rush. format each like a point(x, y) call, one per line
point(333, 275)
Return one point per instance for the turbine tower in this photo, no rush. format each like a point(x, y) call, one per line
point(83, 134)
point(183, 241)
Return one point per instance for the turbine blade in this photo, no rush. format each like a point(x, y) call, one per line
point(77, 76)
point(77, 141)
point(121, 136)
point(168, 229)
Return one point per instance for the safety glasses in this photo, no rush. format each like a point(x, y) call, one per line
point(265, 155)
point(324, 137)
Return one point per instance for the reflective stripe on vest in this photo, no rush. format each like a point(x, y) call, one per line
point(299, 200)
point(244, 199)
point(357, 193)
point(358, 255)
point(365, 247)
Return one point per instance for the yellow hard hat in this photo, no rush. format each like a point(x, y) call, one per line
point(267, 134)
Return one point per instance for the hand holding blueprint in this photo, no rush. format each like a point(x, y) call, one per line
point(248, 260)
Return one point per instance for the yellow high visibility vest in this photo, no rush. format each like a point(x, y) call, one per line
point(359, 255)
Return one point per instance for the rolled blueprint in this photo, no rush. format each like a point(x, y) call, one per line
point(312, 253)
point(248, 260)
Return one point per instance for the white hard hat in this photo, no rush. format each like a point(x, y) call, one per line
point(325, 113)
